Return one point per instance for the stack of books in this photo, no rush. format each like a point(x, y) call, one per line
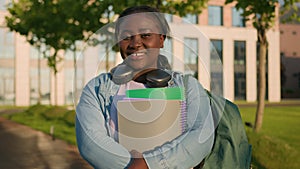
point(151, 117)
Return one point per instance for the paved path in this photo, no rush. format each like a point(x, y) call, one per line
point(24, 148)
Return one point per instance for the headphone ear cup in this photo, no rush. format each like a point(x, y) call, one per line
point(157, 78)
point(122, 74)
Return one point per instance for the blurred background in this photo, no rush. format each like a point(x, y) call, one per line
point(50, 49)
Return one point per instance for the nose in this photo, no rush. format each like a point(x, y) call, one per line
point(135, 41)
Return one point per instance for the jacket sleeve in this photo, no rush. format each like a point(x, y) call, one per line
point(93, 141)
point(190, 148)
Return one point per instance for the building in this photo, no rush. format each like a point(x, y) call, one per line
point(189, 50)
point(290, 58)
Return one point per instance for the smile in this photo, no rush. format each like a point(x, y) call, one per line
point(137, 56)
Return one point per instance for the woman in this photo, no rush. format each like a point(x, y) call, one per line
point(140, 32)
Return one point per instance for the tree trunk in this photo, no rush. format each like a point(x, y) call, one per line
point(55, 90)
point(262, 80)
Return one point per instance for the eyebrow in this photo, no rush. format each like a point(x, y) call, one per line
point(141, 30)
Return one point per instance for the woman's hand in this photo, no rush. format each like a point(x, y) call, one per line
point(138, 161)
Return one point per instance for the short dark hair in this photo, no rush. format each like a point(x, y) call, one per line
point(163, 24)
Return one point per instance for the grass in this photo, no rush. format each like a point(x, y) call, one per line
point(277, 145)
point(42, 117)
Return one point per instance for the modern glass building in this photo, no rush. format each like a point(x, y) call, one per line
point(199, 43)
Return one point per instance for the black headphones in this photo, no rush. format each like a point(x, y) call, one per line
point(151, 77)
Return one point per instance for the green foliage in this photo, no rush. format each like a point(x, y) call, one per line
point(290, 11)
point(57, 24)
point(261, 12)
point(278, 143)
point(183, 8)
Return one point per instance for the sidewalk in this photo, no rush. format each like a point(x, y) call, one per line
point(24, 148)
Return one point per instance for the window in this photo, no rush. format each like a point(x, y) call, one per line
point(70, 93)
point(169, 18)
point(44, 87)
point(294, 53)
point(237, 19)
point(281, 31)
point(216, 51)
point(7, 86)
point(168, 49)
point(215, 15)
point(7, 48)
point(69, 54)
point(2, 4)
point(190, 18)
point(240, 70)
point(191, 56)
point(35, 53)
point(109, 54)
point(216, 69)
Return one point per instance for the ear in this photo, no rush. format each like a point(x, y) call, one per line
point(161, 40)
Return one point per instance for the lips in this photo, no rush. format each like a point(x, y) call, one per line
point(137, 55)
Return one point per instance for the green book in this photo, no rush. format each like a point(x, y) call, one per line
point(171, 93)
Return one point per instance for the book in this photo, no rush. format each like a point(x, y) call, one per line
point(144, 123)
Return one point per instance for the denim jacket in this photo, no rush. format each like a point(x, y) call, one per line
point(97, 146)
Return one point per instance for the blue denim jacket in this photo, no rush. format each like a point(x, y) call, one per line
point(97, 146)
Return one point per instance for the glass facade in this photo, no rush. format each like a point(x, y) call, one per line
point(103, 57)
point(169, 18)
point(240, 70)
point(215, 15)
point(237, 19)
point(7, 86)
point(167, 50)
point(7, 71)
point(39, 77)
point(69, 55)
point(2, 4)
point(216, 68)
point(43, 88)
point(7, 47)
point(191, 56)
point(190, 18)
point(70, 93)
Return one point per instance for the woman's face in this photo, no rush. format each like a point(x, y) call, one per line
point(140, 40)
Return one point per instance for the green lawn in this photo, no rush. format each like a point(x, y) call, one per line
point(277, 145)
point(43, 117)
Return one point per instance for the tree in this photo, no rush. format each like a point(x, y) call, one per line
point(111, 8)
point(57, 24)
point(19, 21)
point(262, 14)
point(82, 20)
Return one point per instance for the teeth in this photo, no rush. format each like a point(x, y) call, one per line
point(137, 54)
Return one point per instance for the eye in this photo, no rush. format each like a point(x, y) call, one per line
point(125, 37)
point(145, 35)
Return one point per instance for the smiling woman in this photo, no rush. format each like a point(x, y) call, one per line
point(140, 41)
point(140, 37)
point(140, 33)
